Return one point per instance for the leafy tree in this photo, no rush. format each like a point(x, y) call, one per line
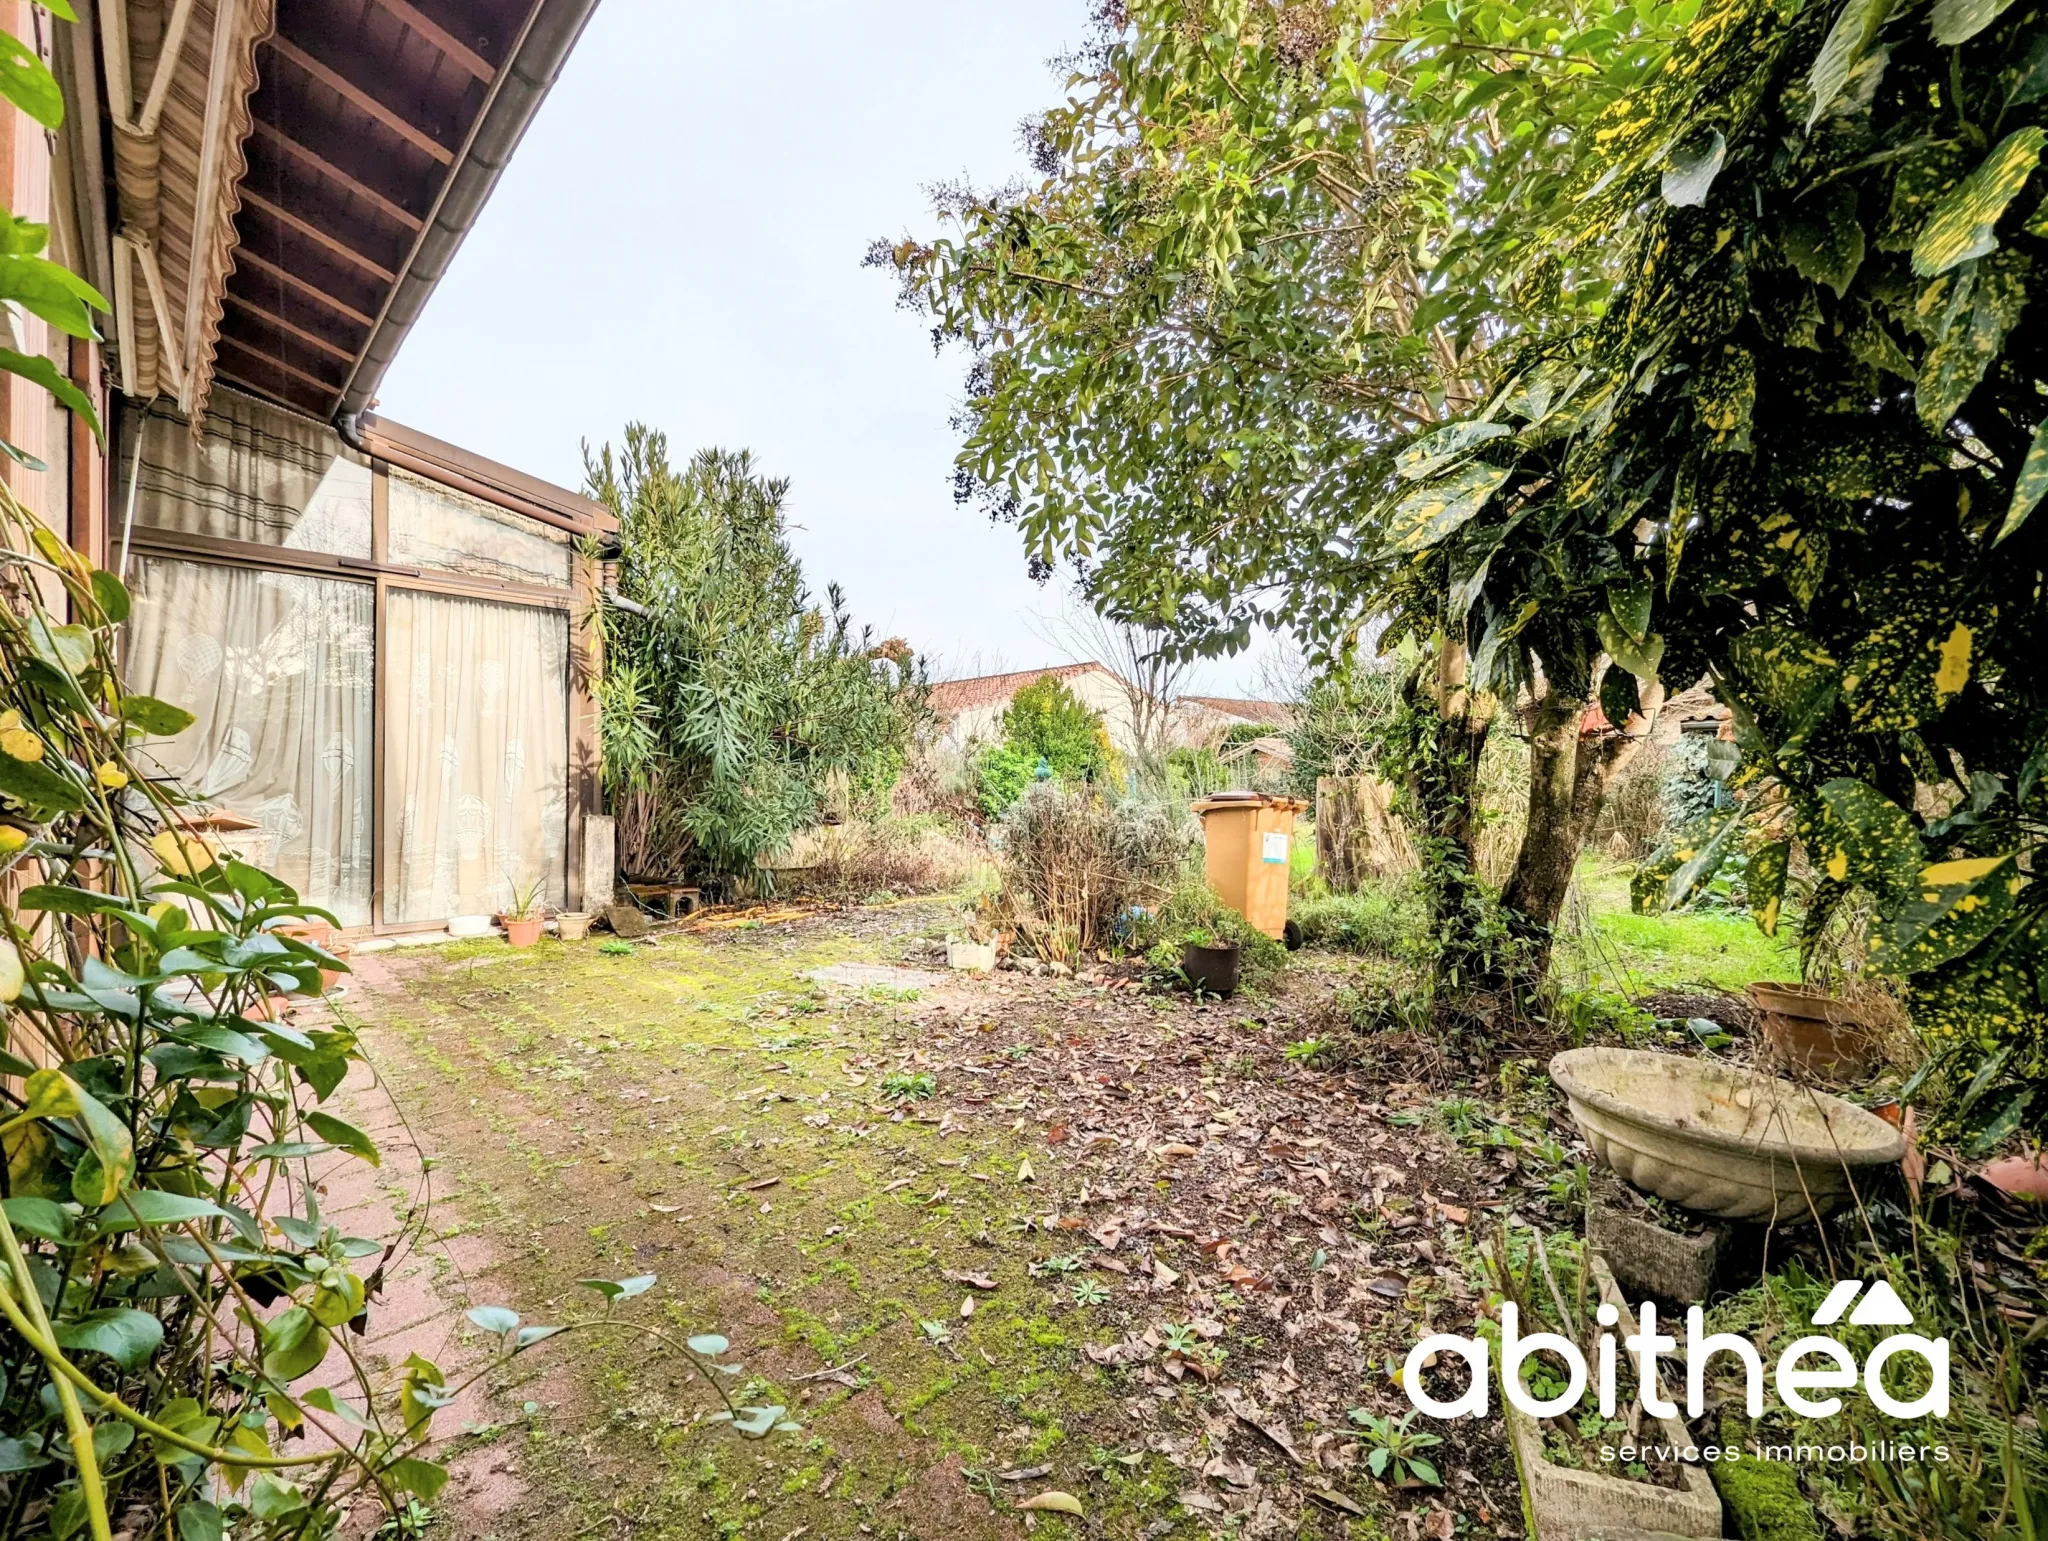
point(1048, 721)
point(1802, 452)
point(730, 701)
point(1267, 243)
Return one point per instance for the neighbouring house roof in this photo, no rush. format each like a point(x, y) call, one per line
point(950, 696)
point(1278, 714)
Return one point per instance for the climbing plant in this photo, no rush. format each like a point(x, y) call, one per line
point(1802, 454)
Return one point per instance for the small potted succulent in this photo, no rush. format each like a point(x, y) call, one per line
point(1211, 962)
point(523, 916)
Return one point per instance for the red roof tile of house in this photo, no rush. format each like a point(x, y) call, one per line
point(949, 696)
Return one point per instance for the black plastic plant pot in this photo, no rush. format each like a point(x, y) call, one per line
point(1212, 970)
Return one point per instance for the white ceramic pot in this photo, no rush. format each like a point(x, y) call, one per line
point(1720, 1140)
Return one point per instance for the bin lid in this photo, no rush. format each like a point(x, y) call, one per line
point(1215, 802)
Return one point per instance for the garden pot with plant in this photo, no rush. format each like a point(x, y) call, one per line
point(1210, 962)
point(523, 916)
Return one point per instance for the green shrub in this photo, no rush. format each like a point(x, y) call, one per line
point(1048, 721)
point(1372, 920)
point(1000, 776)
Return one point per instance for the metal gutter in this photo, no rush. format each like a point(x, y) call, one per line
point(521, 87)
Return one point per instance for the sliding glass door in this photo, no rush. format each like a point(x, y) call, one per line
point(476, 754)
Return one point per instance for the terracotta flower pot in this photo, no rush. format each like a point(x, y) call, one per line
point(1814, 1031)
point(316, 931)
point(523, 933)
point(2024, 1177)
point(331, 977)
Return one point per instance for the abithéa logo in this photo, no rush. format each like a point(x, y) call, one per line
point(1880, 1306)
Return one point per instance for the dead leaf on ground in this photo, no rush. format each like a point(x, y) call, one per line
point(1024, 1172)
point(1023, 1473)
point(974, 1281)
point(1323, 1495)
point(1055, 1500)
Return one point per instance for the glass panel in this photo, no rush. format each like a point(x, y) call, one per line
point(438, 527)
point(252, 472)
point(476, 770)
point(278, 667)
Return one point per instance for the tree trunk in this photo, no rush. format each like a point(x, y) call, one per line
point(1570, 770)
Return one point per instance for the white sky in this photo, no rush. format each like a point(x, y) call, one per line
point(679, 239)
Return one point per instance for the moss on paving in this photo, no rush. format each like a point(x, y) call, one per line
point(602, 1116)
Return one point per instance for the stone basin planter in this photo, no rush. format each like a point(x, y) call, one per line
point(1565, 1503)
point(1720, 1140)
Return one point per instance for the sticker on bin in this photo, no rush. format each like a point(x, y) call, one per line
point(1276, 847)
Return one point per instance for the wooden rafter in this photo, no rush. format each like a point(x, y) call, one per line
point(273, 319)
point(270, 269)
point(271, 134)
point(318, 236)
point(411, 133)
point(327, 388)
point(447, 42)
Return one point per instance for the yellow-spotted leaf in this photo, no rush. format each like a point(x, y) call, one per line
point(1426, 516)
point(1864, 839)
point(2032, 483)
point(1767, 872)
point(1961, 226)
point(1956, 906)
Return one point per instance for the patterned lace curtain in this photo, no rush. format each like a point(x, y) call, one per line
point(477, 756)
point(278, 668)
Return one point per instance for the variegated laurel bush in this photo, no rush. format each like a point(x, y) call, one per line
point(1802, 454)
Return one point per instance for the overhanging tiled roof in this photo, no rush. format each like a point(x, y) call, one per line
point(378, 128)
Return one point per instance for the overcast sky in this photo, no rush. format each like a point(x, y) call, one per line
point(679, 239)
